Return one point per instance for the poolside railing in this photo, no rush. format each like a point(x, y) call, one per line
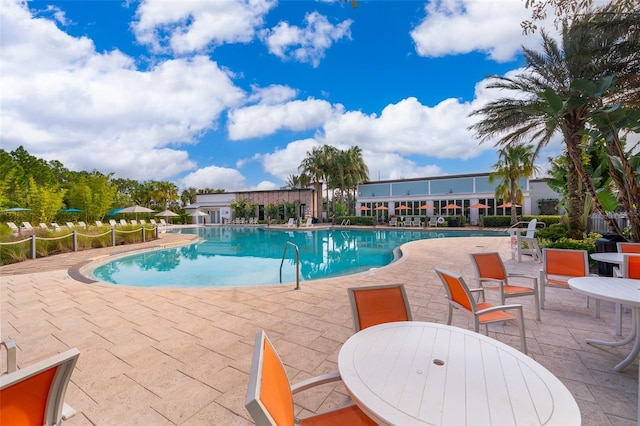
point(35, 248)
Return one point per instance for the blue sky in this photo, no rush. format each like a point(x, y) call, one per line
point(233, 94)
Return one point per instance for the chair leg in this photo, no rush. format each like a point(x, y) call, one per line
point(450, 316)
point(523, 336)
point(536, 302)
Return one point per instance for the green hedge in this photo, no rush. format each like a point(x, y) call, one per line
point(505, 221)
point(356, 220)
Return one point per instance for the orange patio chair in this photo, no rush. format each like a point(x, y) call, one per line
point(270, 397)
point(461, 298)
point(560, 265)
point(631, 266)
point(378, 304)
point(34, 395)
point(491, 274)
point(628, 247)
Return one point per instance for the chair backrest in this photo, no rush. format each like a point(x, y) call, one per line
point(70, 225)
point(269, 399)
point(531, 228)
point(34, 395)
point(565, 262)
point(393, 220)
point(628, 247)
point(98, 223)
point(152, 221)
point(433, 221)
point(112, 222)
point(13, 226)
point(631, 266)
point(27, 225)
point(378, 304)
point(55, 225)
point(163, 222)
point(82, 224)
point(123, 222)
point(43, 225)
point(488, 265)
point(457, 290)
point(134, 222)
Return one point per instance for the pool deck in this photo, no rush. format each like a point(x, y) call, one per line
point(182, 356)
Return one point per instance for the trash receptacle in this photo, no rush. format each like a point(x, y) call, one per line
point(608, 244)
point(453, 222)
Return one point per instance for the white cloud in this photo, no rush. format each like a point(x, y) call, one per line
point(62, 100)
point(261, 120)
point(408, 128)
point(305, 44)
point(215, 178)
point(271, 95)
point(284, 162)
point(463, 26)
point(188, 26)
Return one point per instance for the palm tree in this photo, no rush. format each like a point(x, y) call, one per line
point(317, 166)
point(516, 162)
point(531, 115)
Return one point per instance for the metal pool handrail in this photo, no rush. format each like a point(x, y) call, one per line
point(297, 263)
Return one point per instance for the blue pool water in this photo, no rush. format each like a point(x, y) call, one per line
point(238, 256)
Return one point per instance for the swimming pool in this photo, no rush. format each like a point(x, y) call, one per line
point(244, 256)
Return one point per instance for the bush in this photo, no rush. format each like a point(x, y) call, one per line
point(356, 220)
point(496, 221)
point(553, 232)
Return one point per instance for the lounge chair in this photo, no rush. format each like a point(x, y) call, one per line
point(309, 222)
point(378, 304)
point(70, 225)
point(113, 223)
point(416, 222)
point(163, 222)
point(14, 228)
point(407, 222)
point(143, 222)
point(153, 222)
point(393, 221)
point(433, 221)
point(55, 226)
point(82, 224)
point(134, 222)
point(99, 224)
point(491, 274)
point(34, 395)
point(269, 398)
point(27, 226)
point(44, 226)
point(291, 223)
point(123, 222)
point(460, 297)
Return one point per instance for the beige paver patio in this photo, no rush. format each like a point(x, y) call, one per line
point(182, 356)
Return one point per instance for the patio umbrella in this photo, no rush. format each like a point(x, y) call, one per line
point(507, 205)
point(451, 206)
point(15, 210)
point(114, 212)
point(381, 208)
point(72, 210)
point(198, 213)
point(167, 213)
point(363, 209)
point(479, 206)
point(426, 207)
point(136, 209)
point(403, 207)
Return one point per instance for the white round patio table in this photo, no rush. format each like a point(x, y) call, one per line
point(620, 290)
point(610, 257)
point(421, 373)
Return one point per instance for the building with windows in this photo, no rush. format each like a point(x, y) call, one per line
point(446, 196)
point(217, 208)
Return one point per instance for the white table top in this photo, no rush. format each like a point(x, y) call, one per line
point(612, 257)
point(619, 290)
point(420, 373)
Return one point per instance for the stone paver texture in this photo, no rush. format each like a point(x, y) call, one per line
point(182, 356)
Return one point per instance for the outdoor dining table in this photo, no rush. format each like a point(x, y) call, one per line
point(422, 373)
point(609, 257)
point(625, 291)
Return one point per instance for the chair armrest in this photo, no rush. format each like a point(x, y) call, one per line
point(315, 381)
point(11, 354)
point(499, 308)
